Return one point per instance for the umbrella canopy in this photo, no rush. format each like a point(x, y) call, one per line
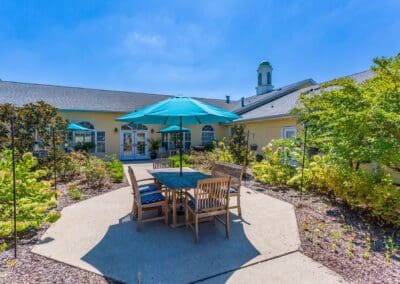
point(77, 127)
point(174, 129)
point(179, 110)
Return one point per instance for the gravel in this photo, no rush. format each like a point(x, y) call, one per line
point(341, 239)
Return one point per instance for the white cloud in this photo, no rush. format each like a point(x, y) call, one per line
point(136, 40)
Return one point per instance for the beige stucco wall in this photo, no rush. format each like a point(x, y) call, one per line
point(105, 121)
point(102, 121)
point(266, 130)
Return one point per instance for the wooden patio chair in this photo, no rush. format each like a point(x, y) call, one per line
point(235, 172)
point(162, 163)
point(210, 199)
point(145, 198)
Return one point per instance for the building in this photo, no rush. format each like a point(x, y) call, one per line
point(266, 114)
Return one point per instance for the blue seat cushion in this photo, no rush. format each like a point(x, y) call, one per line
point(148, 188)
point(152, 198)
point(233, 190)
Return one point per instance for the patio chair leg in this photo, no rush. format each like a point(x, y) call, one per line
point(166, 212)
point(227, 225)
point(238, 206)
point(196, 223)
point(139, 220)
point(186, 214)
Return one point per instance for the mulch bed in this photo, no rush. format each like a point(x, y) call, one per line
point(340, 238)
point(33, 268)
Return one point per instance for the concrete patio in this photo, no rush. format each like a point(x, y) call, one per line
point(98, 235)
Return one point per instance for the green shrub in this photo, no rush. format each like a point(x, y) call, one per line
point(278, 166)
point(34, 195)
point(374, 193)
point(116, 170)
point(185, 161)
point(74, 191)
point(95, 172)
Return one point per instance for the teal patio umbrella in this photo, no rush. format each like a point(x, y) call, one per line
point(179, 110)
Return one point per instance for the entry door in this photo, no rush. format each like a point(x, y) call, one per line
point(134, 145)
point(141, 151)
point(127, 150)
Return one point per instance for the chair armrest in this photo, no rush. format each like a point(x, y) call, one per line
point(145, 179)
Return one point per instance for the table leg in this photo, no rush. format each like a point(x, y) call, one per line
point(174, 217)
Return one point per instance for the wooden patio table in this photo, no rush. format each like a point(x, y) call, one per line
point(175, 183)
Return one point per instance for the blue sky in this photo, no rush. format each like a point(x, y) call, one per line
point(193, 48)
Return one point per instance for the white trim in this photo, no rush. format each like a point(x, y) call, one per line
point(105, 141)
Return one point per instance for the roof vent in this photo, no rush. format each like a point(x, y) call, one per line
point(228, 99)
point(242, 102)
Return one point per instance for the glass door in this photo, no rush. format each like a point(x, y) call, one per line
point(127, 146)
point(141, 151)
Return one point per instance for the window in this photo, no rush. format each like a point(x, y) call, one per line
point(100, 142)
point(97, 138)
point(289, 132)
point(207, 135)
point(269, 78)
point(259, 79)
point(188, 139)
point(86, 124)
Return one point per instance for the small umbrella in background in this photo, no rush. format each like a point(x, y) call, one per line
point(77, 127)
point(179, 110)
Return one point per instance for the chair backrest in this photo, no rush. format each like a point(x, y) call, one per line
point(212, 194)
point(235, 172)
point(162, 163)
point(135, 185)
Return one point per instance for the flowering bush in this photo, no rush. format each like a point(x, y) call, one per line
point(95, 172)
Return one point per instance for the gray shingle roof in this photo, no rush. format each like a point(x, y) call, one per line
point(280, 106)
point(84, 99)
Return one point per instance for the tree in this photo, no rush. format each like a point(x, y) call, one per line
point(30, 120)
point(238, 146)
point(357, 122)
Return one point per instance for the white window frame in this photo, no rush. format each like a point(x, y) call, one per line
point(288, 129)
point(207, 132)
point(94, 130)
point(105, 141)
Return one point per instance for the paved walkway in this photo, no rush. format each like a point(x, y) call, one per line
point(98, 235)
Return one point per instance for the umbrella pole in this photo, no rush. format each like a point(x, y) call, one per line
point(180, 145)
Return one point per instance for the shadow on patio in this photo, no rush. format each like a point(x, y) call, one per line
point(159, 254)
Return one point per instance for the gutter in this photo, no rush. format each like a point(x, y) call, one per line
point(270, 117)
